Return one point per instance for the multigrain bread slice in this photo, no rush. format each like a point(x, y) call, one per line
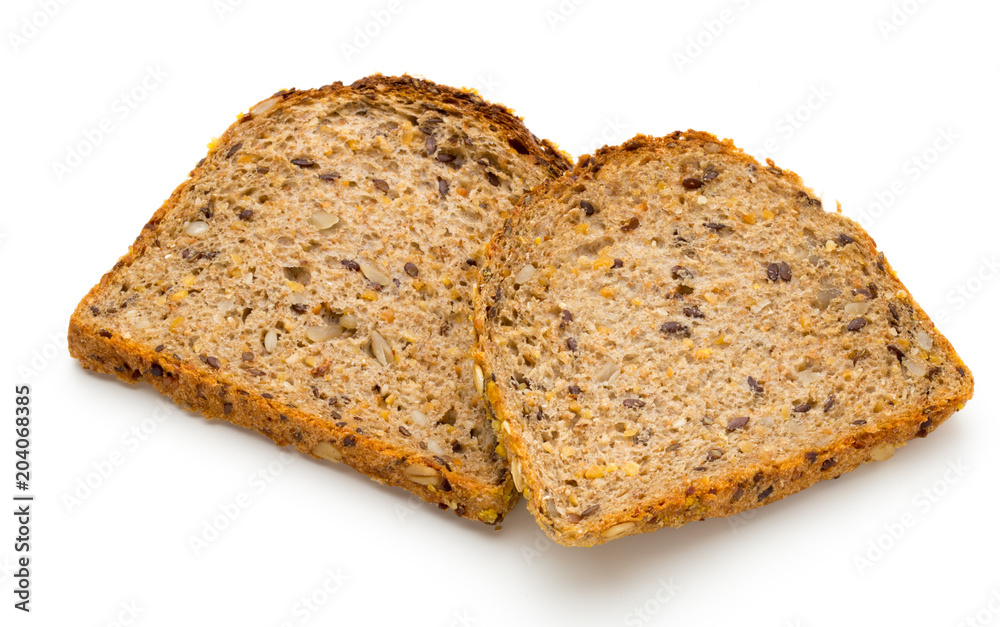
point(673, 331)
point(312, 280)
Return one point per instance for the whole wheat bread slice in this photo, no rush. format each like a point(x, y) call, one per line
point(312, 279)
point(673, 331)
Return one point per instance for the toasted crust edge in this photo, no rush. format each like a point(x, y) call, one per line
point(523, 141)
point(216, 397)
point(705, 498)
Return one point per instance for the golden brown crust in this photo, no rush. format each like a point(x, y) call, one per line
point(217, 397)
point(753, 485)
point(468, 102)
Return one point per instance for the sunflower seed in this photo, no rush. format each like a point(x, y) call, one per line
point(381, 349)
point(196, 228)
point(270, 340)
point(374, 274)
point(524, 274)
point(323, 333)
point(323, 220)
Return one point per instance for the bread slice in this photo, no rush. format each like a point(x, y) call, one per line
point(312, 279)
point(673, 331)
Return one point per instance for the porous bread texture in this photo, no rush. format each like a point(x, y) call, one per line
point(313, 278)
point(673, 331)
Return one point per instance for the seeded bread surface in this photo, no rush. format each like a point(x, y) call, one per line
point(312, 280)
point(674, 331)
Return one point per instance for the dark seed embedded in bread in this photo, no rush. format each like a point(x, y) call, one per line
point(312, 279)
point(749, 345)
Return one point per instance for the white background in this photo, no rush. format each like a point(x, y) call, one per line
point(898, 122)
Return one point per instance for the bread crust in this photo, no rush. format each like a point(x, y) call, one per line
point(217, 396)
point(748, 487)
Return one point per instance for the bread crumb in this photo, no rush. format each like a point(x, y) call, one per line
point(604, 263)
